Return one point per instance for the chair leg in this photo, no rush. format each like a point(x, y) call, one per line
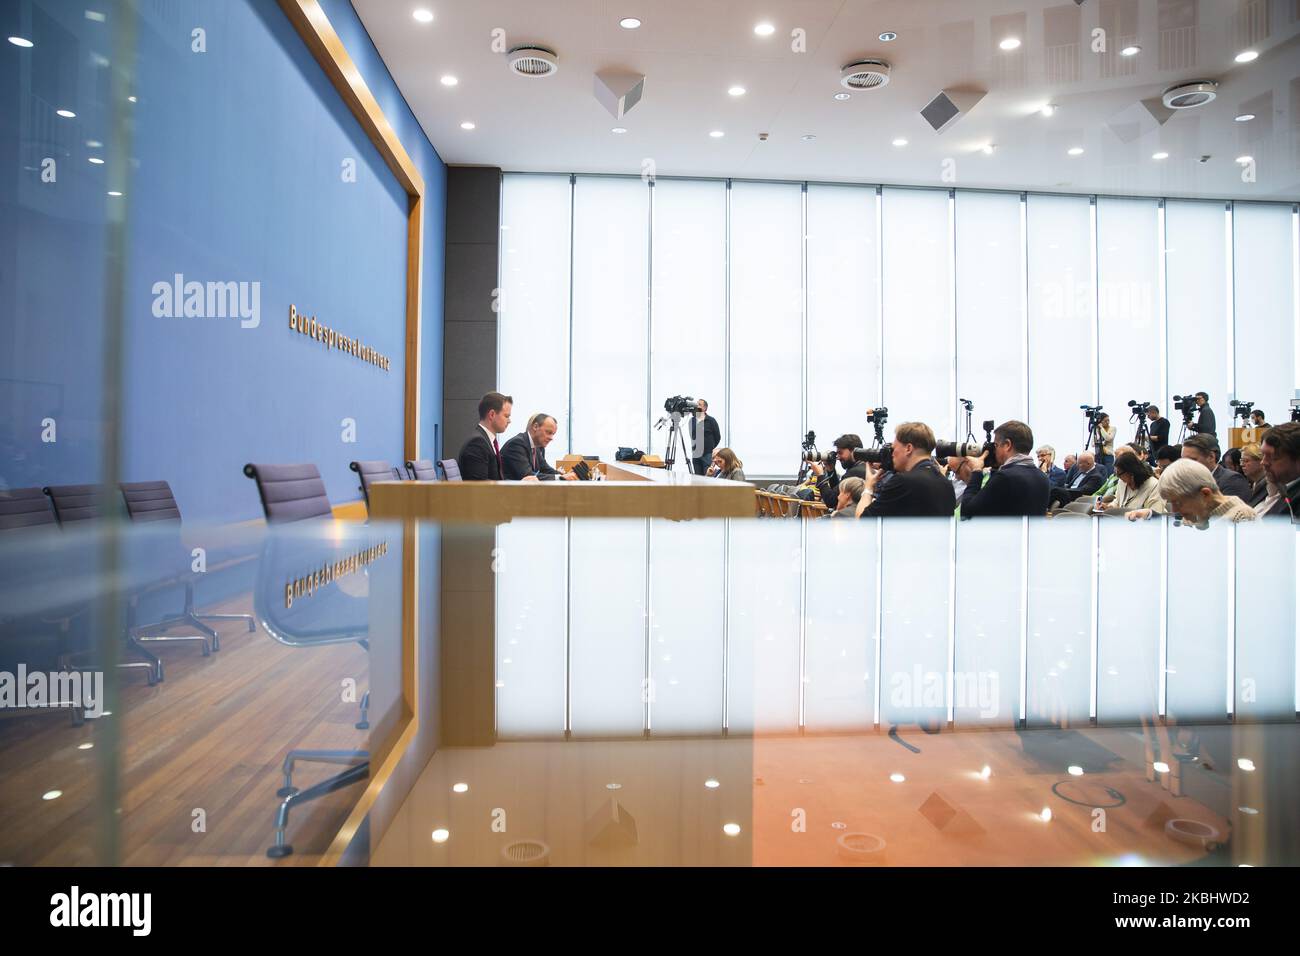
point(280, 849)
point(364, 722)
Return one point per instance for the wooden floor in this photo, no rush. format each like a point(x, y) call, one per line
point(210, 737)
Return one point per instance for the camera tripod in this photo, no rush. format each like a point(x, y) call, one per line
point(676, 435)
point(1142, 439)
point(1094, 441)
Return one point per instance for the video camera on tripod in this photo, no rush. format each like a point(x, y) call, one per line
point(1242, 410)
point(1187, 405)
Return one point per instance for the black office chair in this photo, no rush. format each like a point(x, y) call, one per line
point(290, 492)
point(36, 640)
point(72, 504)
point(422, 470)
point(76, 502)
point(150, 501)
point(450, 469)
point(372, 471)
point(330, 616)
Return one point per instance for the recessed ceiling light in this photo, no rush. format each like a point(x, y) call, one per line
point(1010, 43)
point(422, 15)
point(459, 787)
point(613, 786)
point(737, 91)
point(808, 137)
point(629, 23)
point(22, 42)
point(1076, 771)
point(96, 160)
point(900, 142)
point(66, 114)
point(1160, 155)
point(1245, 56)
point(712, 784)
point(52, 795)
point(842, 96)
point(93, 143)
point(1160, 767)
point(619, 129)
point(449, 80)
point(85, 746)
point(1245, 763)
point(987, 149)
point(717, 134)
point(731, 829)
point(985, 772)
point(440, 835)
point(887, 36)
point(1132, 50)
point(897, 777)
point(764, 29)
point(1046, 815)
point(1047, 109)
point(1075, 150)
point(114, 193)
point(132, 99)
point(1244, 117)
point(467, 125)
point(1244, 160)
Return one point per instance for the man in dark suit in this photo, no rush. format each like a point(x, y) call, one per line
point(480, 456)
point(827, 476)
point(1205, 449)
point(917, 488)
point(1281, 461)
point(1087, 480)
point(1204, 424)
point(710, 437)
point(525, 454)
point(1159, 428)
point(1017, 487)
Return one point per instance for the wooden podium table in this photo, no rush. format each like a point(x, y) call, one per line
point(1241, 437)
point(629, 491)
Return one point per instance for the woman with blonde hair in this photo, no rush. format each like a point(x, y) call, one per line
point(726, 465)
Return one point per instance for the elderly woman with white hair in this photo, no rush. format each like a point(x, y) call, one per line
point(1189, 490)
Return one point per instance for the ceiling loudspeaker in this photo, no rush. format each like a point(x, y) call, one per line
point(1186, 96)
point(862, 75)
point(618, 91)
point(949, 106)
point(533, 61)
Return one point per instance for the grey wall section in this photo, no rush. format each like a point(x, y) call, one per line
point(470, 320)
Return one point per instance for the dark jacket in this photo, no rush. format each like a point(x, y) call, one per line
point(711, 439)
point(517, 456)
point(1159, 430)
point(1204, 424)
point(1056, 475)
point(828, 485)
point(477, 458)
point(1231, 483)
point(920, 492)
point(1258, 492)
point(1017, 488)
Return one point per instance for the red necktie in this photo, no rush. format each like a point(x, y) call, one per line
point(497, 449)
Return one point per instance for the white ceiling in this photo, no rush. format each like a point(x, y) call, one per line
point(692, 51)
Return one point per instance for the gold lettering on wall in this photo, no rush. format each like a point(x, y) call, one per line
point(332, 339)
point(309, 584)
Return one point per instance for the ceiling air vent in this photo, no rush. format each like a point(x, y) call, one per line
point(864, 75)
point(1185, 96)
point(533, 61)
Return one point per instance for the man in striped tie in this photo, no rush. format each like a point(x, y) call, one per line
point(524, 456)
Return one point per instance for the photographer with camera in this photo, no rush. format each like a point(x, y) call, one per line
point(1016, 487)
point(1158, 428)
point(827, 478)
point(1205, 424)
point(705, 436)
point(915, 486)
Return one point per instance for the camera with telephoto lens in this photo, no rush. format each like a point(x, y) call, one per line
point(1243, 409)
point(681, 406)
point(969, 449)
point(1187, 405)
